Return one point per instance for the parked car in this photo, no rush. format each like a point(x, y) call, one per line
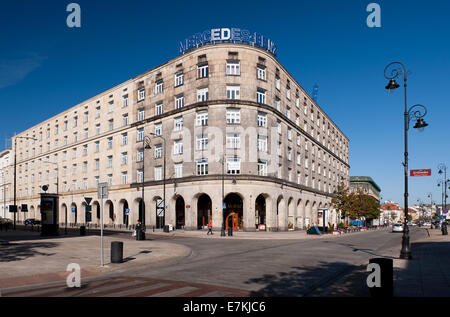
point(398, 227)
point(32, 222)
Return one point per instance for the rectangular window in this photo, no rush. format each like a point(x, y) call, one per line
point(202, 167)
point(261, 72)
point(202, 94)
point(158, 151)
point(110, 161)
point(233, 92)
point(178, 124)
point(202, 118)
point(277, 83)
point(110, 180)
point(179, 79)
point(141, 94)
point(159, 87)
point(140, 155)
point(178, 170)
point(233, 68)
point(179, 101)
point(159, 108)
point(111, 124)
point(97, 164)
point(111, 106)
point(202, 71)
point(262, 143)
point(202, 143)
point(141, 114)
point(97, 129)
point(158, 173)
point(233, 165)
point(140, 135)
point(110, 143)
point(97, 112)
point(262, 168)
point(233, 140)
point(124, 158)
point(233, 116)
point(277, 104)
point(158, 129)
point(262, 120)
point(261, 96)
point(140, 176)
point(125, 120)
point(178, 147)
point(125, 101)
point(124, 178)
point(97, 146)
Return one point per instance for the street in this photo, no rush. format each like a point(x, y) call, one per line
point(238, 267)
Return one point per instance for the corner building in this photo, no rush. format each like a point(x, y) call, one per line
point(221, 121)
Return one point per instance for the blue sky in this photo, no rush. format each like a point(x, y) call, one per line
point(46, 67)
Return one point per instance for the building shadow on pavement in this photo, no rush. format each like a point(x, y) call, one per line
point(321, 280)
point(11, 252)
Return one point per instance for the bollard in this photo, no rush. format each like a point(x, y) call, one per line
point(386, 278)
point(116, 252)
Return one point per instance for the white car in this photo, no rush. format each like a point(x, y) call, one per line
point(398, 227)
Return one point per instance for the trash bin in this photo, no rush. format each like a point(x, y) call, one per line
point(386, 287)
point(116, 252)
point(82, 231)
point(166, 228)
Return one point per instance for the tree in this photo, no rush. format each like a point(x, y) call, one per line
point(342, 201)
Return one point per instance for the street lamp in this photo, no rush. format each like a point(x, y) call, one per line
point(145, 146)
point(164, 174)
point(391, 72)
point(15, 167)
point(57, 188)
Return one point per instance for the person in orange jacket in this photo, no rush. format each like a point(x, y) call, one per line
point(209, 227)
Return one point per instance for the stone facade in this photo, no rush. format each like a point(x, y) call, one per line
point(284, 157)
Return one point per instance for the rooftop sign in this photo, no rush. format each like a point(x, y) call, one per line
point(227, 35)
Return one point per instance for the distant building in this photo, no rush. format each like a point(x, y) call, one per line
point(5, 181)
point(367, 184)
point(392, 212)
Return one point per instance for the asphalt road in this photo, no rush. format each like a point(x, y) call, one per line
point(280, 267)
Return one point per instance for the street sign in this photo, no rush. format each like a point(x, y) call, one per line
point(74, 209)
point(88, 200)
point(442, 217)
point(160, 212)
point(127, 211)
point(445, 211)
point(24, 208)
point(160, 203)
point(422, 172)
point(12, 208)
point(102, 190)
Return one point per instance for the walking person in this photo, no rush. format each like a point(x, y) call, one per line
point(209, 227)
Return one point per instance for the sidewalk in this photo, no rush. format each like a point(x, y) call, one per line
point(27, 258)
point(428, 273)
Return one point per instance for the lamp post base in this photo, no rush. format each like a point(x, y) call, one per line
point(405, 253)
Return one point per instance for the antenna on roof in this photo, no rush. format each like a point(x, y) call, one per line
point(315, 92)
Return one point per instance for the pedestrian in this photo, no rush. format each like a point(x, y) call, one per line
point(209, 227)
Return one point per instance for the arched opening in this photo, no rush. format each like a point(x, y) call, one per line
point(141, 211)
point(96, 210)
point(179, 213)
point(291, 213)
point(110, 210)
point(160, 214)
point(125, 212)
point(307, 209)
point(203, 211)
point(260, 210)
point(73, 209)
point(233, 213)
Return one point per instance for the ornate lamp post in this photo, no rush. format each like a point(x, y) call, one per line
point(391, 72)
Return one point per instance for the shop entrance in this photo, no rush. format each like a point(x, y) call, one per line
point(233, 213)
point(203, 211)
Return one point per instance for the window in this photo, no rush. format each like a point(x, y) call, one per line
point(233, 140)
point(124, 178)
point(97, 129)
point(202, 143)
point(124, 158)
point(233, 116)
point(202, 118)
point(277, 83)
point(261, 72)
point(202, 167)
point(75, 137)
point(124, 138)
point(178, 170)
point(158, 173)
point(202, 71)
point(86, 133)
point(233, 165)
point(140, 155)
point(110, 143)
point(158, 151)
point(299, 159)
point(233, 92)
point(110, 161)
point(75, 121)
point(262, 143)
point(140, 135)
point(110, 179)
point(289, 153)
point(159, 108)
point(74, 153)
point(178, 124)
point(141, 94)
point(97, 146)
point(140, 176)
point(202, 94)
point(179, 79)
point(111, 124)
point(159, 87)
point(86, 117)
point(158, 129)
point(125, 101)
point(289, 134)
point(65, 126)
point(56, 129)
point(125, 120)
point(288, 93)
point(97, 164)
point(261, 96)
point(97, 112)
point(233, 68)
point(141, 114)
point(262, 168)
point(178, 147)
point(262, 120)
point(179, 101)
point(279, 127)
point(277, 103)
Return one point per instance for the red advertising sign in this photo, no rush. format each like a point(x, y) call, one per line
point(425, 172)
